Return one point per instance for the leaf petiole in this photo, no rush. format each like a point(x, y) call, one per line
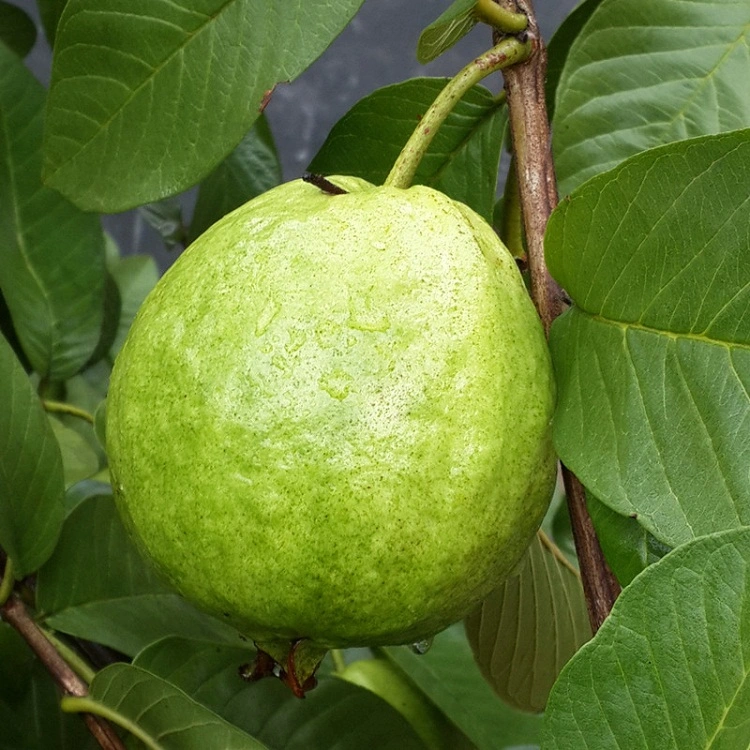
point(85, 705)
point(59, 407)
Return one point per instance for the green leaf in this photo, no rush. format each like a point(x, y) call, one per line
point(384, 678)
point(528, 628)
point(251, 169)
point(50, 11)
point(177, 86)
point(30, 714)
point(448, 675)
point(135, 277)
point(366, 141)
point(336, 714)
point(165, 216)
point(457, 21)
point(559, 47)
point(653, 362)
point(51, 254)
point(627, 546)
point(17, 30)
point(668, 670)
point(110, 322)
point(79, 459)
point(31, 471)
point(158, 713)
point(641, 75)
point(96, 586)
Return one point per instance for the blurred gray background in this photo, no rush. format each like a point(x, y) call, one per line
point(376, 49)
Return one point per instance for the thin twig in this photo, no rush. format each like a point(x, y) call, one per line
point(15, 614)
point(524, 85)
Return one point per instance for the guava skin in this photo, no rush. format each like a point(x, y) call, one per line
point(331, 417)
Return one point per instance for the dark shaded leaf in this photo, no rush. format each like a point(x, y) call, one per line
point(31, 471)
point(251, 169)
point(448, 675)
point(30, 715)
point(50, 11)
point(336, 714)
point(17, 30)
point(628, 547)
point(165, 216)
point(96, 586)
point(158, 713)
point(135, 277)
point(51, 254)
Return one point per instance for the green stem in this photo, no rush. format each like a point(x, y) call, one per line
point(7, 583)
point(79, 665)
point(339, 662)
point(506, 53)
point(60, 407)
point(489, 12)
point(86, 705)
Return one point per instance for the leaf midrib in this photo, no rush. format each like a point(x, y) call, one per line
point(156, 70)
point(626, 325)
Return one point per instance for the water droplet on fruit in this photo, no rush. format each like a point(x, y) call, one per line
point(336, 384)
point(267, 314)
point(379, 245)
point(422, 647)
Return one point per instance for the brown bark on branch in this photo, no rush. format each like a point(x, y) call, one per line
point(15, 614)
point(524, 85)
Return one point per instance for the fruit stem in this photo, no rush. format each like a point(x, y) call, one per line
point(508, 52)
point(529, 126)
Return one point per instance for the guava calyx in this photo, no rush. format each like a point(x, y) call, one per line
point(293, 662)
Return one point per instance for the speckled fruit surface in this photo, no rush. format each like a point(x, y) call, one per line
point(331, 418)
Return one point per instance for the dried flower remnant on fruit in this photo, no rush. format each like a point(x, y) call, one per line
point(323, 183)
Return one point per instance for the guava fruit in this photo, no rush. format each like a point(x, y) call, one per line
point(330, 421)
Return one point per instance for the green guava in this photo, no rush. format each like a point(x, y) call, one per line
point(331, 418)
